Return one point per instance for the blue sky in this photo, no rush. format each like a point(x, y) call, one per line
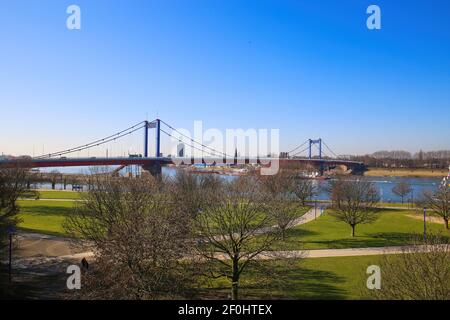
point(310, 68)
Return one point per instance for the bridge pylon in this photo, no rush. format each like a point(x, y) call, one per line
point(311, 143)
point(157, 125)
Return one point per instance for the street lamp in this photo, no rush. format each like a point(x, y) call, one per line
point(11, 231)
point(315, 207)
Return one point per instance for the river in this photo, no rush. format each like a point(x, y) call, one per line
point(384, 184)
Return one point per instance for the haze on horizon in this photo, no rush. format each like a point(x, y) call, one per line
point(310, 69)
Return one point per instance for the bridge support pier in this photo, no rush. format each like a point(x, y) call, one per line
point(154, 169)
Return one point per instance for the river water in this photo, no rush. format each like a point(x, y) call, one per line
point(384, 185)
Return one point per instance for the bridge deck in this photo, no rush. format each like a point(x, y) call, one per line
point(149, 161)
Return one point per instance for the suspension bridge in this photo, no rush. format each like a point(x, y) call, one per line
point(302, 154)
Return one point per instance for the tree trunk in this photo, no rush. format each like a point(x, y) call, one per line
point(402, 199)
point(235, 279)
point(353, 230)
point(234, 291)
point(446, 223)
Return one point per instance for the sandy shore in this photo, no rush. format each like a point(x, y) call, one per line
point(421, 173)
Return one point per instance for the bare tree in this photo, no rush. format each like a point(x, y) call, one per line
point(140, 240)
point(304, 189)
point(284, 213)
point(402, 189)
point(439, 202)
point(54, 177)
point(354, 201)
point(188, 191)
point(278, 185)
point(13, 185)
point(421, 272)
point(235, 230)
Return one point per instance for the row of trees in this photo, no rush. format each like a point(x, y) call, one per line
point(399, 158)
point(159, 238)
point(356, 200)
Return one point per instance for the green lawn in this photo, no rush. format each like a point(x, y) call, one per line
point(393, 227)
point(44, 216)
point(406, 205)
point(318, 278)
point(57, 194)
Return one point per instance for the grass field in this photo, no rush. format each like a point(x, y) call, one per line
point(315, 278)
point(320, 278)
point(393, 227)
point(44, 216)
point(57, 194)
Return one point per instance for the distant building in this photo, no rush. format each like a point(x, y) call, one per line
point(180, 150)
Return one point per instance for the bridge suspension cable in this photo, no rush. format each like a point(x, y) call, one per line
point(298, 147)
point(96, 143)
point(214, 151)
point(299, 152)
point(193, 146)
point(332, 152)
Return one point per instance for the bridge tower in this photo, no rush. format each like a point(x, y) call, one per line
point(157, 125)
point(146, 138)
point(311, 142)
point(154, 169)
point(158, 137)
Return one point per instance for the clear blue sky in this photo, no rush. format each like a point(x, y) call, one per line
point(310, 68)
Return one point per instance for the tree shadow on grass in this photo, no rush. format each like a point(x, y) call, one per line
point(379, 239)
point(288, 281)
point(294, 239)
point(46, 210)
point(399, 238)
point(297, 282)
point(30, 285)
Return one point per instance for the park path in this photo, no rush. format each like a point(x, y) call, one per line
point(309, 216)
point(39, 245)
point(35, 245)
point(297, 254)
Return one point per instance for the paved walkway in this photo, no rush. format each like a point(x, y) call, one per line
point(39, 245)
point(36, 244)
point(46, 246)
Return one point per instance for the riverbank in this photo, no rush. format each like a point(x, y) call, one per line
point(405, 172)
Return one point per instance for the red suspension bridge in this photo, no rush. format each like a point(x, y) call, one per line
point(300, 155)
